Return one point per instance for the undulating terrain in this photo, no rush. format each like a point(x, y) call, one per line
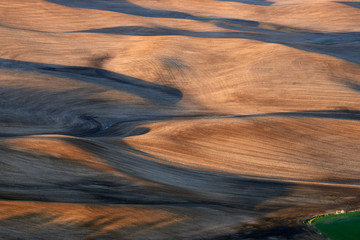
point(186, 119)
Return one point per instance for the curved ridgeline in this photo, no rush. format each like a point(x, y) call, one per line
point(177, 119)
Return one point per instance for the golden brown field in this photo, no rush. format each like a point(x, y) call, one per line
point(164, 119)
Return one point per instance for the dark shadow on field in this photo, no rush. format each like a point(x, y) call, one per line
point(26, 176)
point(252, 2)
point(27, 111)
point(353, 86)
point(342, 45)
point(189, 190)
point(54, 179)
point(351, 4)
point(279, 232)
point(353, 115)
point(151, 91)
point(232, 190)
point(123, 6)
point(350, 84)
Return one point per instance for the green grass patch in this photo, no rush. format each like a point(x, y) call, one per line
point(345, 226)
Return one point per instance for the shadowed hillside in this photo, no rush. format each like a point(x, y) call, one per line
point(160, 119)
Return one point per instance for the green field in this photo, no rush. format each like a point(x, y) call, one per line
point(344, 226)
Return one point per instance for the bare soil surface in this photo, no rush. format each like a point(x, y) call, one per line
point(161, 119)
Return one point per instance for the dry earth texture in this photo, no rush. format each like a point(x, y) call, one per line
point(164, 119)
